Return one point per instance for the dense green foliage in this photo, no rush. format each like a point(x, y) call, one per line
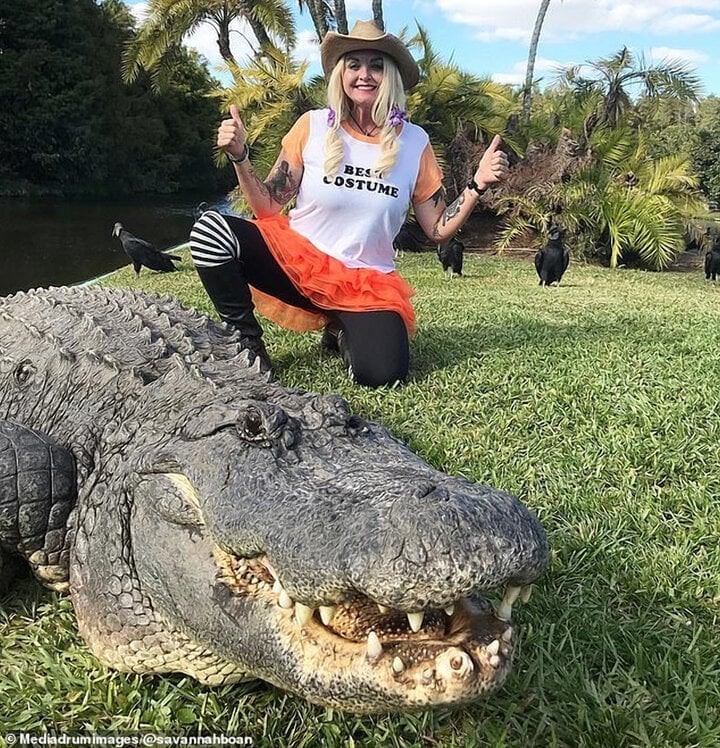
point(70, 125)
point(705, 147)
point(596, 404)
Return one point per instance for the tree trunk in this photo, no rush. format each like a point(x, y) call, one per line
point(377, 10)
point(258, 29)
point(341, 17)
point(223, 37)
point(318, 18)
point(532, 53)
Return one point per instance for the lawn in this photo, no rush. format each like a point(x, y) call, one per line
point(598, 404)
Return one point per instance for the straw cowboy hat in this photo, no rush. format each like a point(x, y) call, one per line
point(366, 35)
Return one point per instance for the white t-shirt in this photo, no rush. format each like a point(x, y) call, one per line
point(355, 216)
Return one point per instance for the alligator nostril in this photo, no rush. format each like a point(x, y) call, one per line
point(424, 489)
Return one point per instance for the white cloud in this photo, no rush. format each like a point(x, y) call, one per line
point(139, 10)
point(569, 19)
point(307, 48)
point(689, 56)
point(545, 70)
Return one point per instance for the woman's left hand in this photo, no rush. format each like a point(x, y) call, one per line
point(493, 165)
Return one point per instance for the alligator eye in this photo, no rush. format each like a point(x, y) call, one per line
point(23, 372)
point(251, 426)
point(356, 425)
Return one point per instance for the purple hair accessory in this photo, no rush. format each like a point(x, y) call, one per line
point(397, 116)
point(331, 117)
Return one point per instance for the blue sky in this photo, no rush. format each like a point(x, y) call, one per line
point(491, 38)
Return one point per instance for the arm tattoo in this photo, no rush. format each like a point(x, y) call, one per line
point(450, 212)
point(453, 209)
point(258, 182)
point(280, 184)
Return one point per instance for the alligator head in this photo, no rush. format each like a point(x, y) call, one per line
point(306, 546)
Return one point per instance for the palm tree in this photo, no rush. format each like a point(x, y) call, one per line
point(377, 9)
point(170, 21)
point(615, 77)
point(621, 200)
point(321, 14)
point(341, 16)
point(532, 54)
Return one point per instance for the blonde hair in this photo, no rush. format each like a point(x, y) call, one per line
point(390, 93)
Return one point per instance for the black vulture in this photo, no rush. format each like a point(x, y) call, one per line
point(552, 260)
point(410, 238)
point(450, 255)
point(142, 253)
point(712, 260)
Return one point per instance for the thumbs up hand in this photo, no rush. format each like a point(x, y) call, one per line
point(232, 134)
point(493, 165)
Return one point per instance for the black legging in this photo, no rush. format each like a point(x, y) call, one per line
point(376, 343)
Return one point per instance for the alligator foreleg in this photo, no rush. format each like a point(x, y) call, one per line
point(38, 490)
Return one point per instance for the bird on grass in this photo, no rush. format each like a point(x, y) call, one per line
point(712, 260)
point(553, 259)
point(410, 238)
point(450, 255)
point(142, 253)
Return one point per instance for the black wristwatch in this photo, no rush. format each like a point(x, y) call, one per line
point(239, 159)
point(473, 185)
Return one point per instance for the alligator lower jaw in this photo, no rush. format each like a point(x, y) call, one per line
point(455, 655)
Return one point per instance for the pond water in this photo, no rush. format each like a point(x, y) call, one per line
point(53, 241)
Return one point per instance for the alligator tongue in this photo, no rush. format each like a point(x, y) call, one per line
point(355, 620)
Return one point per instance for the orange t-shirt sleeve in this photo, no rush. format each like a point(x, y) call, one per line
point(296, 139)
point(429, 179)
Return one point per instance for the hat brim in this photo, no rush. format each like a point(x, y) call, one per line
point(334, 46)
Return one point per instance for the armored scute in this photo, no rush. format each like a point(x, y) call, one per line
point(205, 519)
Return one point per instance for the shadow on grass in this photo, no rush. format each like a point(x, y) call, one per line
point(21, 593)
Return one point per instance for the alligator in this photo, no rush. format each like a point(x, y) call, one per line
point(207, 520)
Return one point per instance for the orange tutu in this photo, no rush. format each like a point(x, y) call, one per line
point(326, 282)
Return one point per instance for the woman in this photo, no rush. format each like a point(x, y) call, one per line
point(354, 169)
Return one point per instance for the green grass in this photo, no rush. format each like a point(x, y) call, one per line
point(597, 404)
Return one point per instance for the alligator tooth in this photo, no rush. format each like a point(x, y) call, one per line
point(494, 661)
point(303, 613)
point(326, 613)
point(525, 592)
point(494, 647)
point(398, 665)
point(285, 600)
point(428, 676)
point(277, 587)
point(449, 610)
point(416, 620)
point(374, 647)
point(383, 608)
point(269, 567)
point(507, 634)
point(505, 609)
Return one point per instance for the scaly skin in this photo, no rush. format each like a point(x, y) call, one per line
point(207, 520)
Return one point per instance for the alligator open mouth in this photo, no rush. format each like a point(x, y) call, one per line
point(451, 654)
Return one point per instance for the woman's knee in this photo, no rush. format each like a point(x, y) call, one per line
point(212, 242)
point(376, 347)
point(376, 374)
